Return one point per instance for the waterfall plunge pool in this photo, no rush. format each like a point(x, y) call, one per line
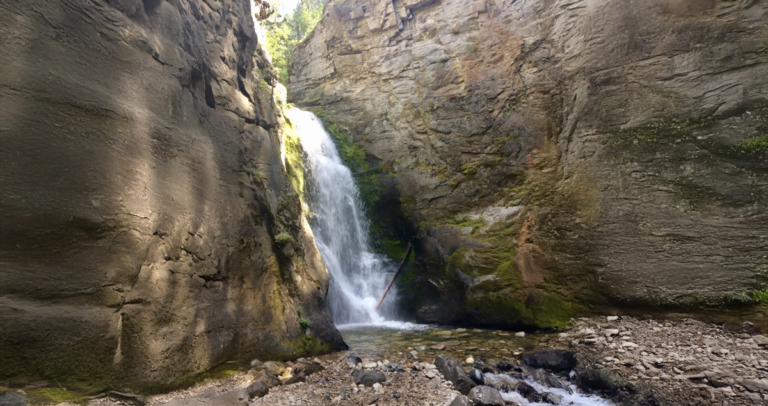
point(359, 276)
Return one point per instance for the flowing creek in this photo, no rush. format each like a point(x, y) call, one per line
point(359, 277)
point(468, 347)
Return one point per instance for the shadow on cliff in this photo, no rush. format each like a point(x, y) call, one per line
point(134, 246)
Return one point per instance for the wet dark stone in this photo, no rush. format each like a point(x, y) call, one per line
point(599, 379)
point(476, 376)
point(551, 398)
point(489, 370)
point(295, 379)
point(353, 359)
point(504, 366)
point(367, 378)
point(257, 389)
point(505, 388)
point(453, 372)
point(553, 360)
point(307, 368)
point(528, 392)
point(549, 379)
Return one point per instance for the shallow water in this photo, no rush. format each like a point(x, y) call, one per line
point(394, 341)
point(399, 338)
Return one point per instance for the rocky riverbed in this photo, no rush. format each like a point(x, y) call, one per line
point(685, 363)
point(598, 361)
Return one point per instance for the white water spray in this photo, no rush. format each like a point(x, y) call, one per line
point(358, 275)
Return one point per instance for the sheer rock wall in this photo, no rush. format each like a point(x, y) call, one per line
point(559, 156)
point(141, 191)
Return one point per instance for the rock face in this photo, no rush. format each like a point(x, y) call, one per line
point(559, 154)
point(142, 192)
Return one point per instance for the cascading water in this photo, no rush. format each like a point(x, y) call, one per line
point(358, 275)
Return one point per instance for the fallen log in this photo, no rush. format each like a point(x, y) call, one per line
point(407, 253)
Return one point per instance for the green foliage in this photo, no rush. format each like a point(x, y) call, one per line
point(352, 153)
point(394, 249)
point(304, 323)
point(256, 175)
point(466, 221)
point(756, 146)
point(760, 296)
point(285, 31)
point(283, 238)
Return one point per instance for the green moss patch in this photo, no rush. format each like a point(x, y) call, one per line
point(47, 396)
point(755, 147)
point(294, 161)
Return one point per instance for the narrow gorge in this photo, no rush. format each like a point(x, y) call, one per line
point(584, 184)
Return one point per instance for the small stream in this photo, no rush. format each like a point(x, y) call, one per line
point(470, 347)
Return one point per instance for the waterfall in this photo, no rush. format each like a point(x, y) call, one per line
point(358, 275)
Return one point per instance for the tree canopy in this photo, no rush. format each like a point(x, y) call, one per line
point(287, 30)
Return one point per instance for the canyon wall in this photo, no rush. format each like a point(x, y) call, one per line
point(147, 228)
point(559, 157)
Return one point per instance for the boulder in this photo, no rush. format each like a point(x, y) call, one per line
point(266, 377)
point(529, 392)
point(599, 379)
point(760, 340)
point(274, 367)
point(548, 379)
point(454, 373)
point(367, 377)
point(551, 398)
point(352, 359)
point(553, 360)
point(476, 376)
point(257, 389)
point(504, 366)
point(461, 400)
point(306, 368)
point(485, 396)
point(13, 398)
point(295, 379)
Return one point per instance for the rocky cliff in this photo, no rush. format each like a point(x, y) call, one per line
point(559, 157)
point(148, 231)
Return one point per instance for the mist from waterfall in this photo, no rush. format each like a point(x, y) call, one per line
point(358, 275)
